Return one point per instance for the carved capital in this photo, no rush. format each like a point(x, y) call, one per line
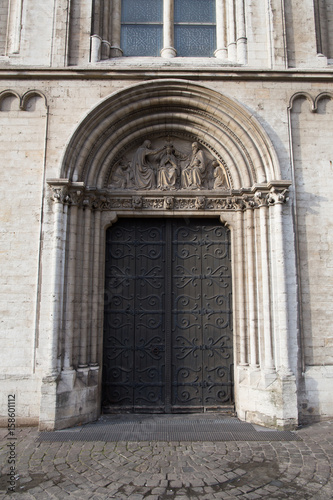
point(239, 203)
point(261, 199)
point(57, 194)
point(249, 202)
point(88, 202)
point(278, 192)
point(65, 192)
point(76, 197)
point(277, 196)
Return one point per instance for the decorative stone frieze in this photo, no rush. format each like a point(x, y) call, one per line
point(67, 193)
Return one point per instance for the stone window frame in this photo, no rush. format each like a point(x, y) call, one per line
point(231, 40)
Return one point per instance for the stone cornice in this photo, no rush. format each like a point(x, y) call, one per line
point(137, 73)
point(76, 194)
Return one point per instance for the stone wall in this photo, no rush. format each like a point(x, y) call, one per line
point(311, 132)
point(286, 87)
point(23, 129)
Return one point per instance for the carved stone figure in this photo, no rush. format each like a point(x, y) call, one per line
point(168, 170)
point(200, 202)
point(122, 176)
point(143, 171)
point(167, 166)
point(168, 202)
point(193, 174)
point(219, 176)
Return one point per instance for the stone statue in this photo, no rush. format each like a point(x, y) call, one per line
point(122, 176)
point(168, 170)
point(143, 171)
point(219, 176)
point(193, 174)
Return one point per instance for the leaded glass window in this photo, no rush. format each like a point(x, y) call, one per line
point(194, 11)
point(195, 28)
point(142, 27)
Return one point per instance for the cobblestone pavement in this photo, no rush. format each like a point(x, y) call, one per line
point(166, 470)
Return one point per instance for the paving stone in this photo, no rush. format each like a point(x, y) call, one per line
point(176, 484)
point(158, 491)
point(89, 474)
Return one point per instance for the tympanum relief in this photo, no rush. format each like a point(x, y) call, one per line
point(168, 166)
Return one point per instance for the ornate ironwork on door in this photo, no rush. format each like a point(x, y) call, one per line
point(168, 316)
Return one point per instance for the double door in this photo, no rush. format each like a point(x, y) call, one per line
point(168, 316)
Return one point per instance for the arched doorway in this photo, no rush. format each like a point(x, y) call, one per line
point(168, 316)
point(105, 176)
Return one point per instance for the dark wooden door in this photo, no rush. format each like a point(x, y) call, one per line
point(168, 316)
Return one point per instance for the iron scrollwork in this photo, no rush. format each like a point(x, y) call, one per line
point(151, 265)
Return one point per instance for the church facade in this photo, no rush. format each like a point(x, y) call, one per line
point(166, 228)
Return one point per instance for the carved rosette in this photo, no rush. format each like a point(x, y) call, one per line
point(233, 200)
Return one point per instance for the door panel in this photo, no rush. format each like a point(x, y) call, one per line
point(149, 316)
point(187, 328)
point(119, 318)
point(168, 316)
point(202, 342)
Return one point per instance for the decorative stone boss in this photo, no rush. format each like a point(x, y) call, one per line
point(167, 168)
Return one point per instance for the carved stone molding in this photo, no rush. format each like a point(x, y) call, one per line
point(62, 191)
